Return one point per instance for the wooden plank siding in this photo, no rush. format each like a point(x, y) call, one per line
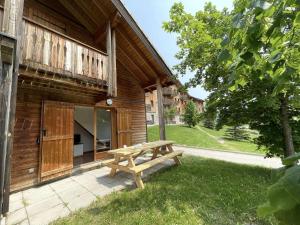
point(26, 149)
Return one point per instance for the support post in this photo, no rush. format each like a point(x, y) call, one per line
point(114, 62)
point(109, 53)
point(9, 64)
point(161, 121)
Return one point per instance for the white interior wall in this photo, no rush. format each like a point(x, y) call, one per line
point(84, 116)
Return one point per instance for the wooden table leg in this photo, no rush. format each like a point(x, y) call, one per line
point(138, 180)
point(137, 176)
point(176, 159)
point(155, 153)
point(113, 171)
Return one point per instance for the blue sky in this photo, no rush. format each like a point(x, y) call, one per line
point(150, 15)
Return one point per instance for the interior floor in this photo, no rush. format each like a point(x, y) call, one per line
point(85, 158)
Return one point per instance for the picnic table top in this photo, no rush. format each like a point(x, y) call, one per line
point(139, 148)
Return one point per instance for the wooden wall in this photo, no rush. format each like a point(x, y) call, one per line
point(26, 150)
point(62, 23)
point(131, 95)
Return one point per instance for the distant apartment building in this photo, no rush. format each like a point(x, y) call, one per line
point(172, 98)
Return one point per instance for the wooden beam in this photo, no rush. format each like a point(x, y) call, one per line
point(134, 76)
point(130, 43)
point(133, 25)
point(109, 53)
point(100, 34)
point(100, 7)
point(79, 15)
point(115, 20)
point(140, 72)
point(114, 90)
point(161, 120)
point(101, 30)
point(10, 48)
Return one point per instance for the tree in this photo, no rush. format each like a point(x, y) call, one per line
point(263, 46)
point(227, 52)
point(170, 113)
point(237, 133)
point(191, 116)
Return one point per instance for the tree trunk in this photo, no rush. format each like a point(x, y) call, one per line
point(287, 131)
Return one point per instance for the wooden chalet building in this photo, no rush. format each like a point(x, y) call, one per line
point(78, 75)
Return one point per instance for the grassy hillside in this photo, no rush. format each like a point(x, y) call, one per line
point(202, 137)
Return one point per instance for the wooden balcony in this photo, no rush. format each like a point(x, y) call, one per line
point(184, 97)
point(168, 101)
point(167, 91)
point(52, 52)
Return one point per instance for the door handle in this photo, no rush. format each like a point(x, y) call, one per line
point(44, 132)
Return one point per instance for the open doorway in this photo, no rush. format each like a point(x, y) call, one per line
point(83, 150)
point(103, 132)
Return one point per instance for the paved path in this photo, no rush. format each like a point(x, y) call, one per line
point(44, 204)
point(235, 157)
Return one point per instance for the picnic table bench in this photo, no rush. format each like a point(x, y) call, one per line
point(161, 151)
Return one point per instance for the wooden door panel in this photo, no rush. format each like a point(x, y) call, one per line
point(57, 139)
point(124, 127)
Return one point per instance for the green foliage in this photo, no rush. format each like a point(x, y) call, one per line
point(170, 113)
point(248, 60)
point(191, 115)
point(208, 123)
point(238, 133)
point(284, 195)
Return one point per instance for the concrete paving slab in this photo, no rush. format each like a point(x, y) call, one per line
point(15, 197)
point(16, 205)
point(35, 195)
point(71, 193)
point(61, 185)
point(16, 217)
point(81, 201)
point(50, 215)
point(101, 190)
point(24, 222)
point(44, 205)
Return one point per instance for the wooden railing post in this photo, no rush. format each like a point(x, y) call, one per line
point(114, 63)
point(9, 64)
point(109, 53)
point(161, 121)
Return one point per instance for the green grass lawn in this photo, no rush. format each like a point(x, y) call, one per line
point(202, 137)
point(200, 191)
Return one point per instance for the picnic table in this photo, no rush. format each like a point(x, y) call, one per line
point(160, 150)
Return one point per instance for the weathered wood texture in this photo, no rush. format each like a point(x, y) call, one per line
point(128, 154)
point(45, 49)
point(26, 151)
point(160, 107)
point(57, 139)
point(11, 26)
point(124, 125)
point(131, 96)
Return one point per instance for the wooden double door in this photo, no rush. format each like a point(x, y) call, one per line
point(57, 137)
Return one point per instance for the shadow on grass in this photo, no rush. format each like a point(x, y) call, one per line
point(198, 192)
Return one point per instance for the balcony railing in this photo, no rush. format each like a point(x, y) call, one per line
point(169, 92)
point(49, 50)
point(168, 101)
point(184, 97)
